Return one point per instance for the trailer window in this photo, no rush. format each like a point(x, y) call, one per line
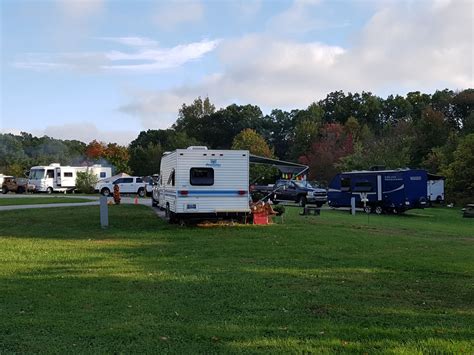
point(363, 186)
point(67, 174)
point(50, 173)
point(171, 178)
point(345, 184)
point(201, 176)
point(103, 174)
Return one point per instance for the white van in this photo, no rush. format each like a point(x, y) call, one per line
point(55, 177)
point(201, 183)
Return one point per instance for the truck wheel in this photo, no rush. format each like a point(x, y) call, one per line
point(379, 210)
point(141, 192)
point(105, 191)
point(4, 190)
point(49, 190)
point(319, 204)
point(20, 190)
point(302, 201)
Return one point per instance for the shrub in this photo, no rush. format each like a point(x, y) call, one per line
point(279, 209)
point(85, 182)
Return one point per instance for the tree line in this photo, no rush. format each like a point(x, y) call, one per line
point(343, 131)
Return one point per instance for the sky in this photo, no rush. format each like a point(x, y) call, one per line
point(106, 70)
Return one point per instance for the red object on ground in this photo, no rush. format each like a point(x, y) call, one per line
point(136, 200)
point(260, 218)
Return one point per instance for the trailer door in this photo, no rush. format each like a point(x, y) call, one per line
point(379, 187)
point(57, 173)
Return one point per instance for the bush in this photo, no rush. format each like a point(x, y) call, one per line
point(279, 209)
point(86, 181)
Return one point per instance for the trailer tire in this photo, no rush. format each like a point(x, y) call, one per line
point(105, 191)
point(20, 190)
point(49, 190)
point(378, 210)
point(302, 201)
point(141, 192)
point(4, 190)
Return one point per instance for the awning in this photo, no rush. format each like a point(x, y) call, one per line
point(435, 177)
point(285, 167)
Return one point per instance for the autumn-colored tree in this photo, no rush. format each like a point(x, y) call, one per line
point(327, 151)
point(95, 150)
point(118, 156)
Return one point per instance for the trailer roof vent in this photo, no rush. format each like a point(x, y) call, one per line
point(54, 164)
point(197, 147)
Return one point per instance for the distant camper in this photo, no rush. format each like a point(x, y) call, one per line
point(436, 188)
point(55, 177)
point(201, 183)
point(386, 190)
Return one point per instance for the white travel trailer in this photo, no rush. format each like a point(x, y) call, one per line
point(201, 183)
point(55, 177)
point(435, 188)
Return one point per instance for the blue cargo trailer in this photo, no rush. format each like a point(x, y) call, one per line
point(393, 191)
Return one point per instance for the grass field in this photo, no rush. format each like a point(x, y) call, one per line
point(39, 200)
point(334, 283)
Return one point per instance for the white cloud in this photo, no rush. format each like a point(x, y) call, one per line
point(80, 9)
point(170, 15)
point(404, 46)
point(298, 19)
point(132, 41)
point(143, 58)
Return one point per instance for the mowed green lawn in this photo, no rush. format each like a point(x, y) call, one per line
point(12, 201)
point(334, 283)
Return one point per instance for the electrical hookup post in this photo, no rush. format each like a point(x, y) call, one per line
point(104, 212)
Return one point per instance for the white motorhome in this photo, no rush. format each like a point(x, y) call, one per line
point(435, 188)
point(201, 183)
point(55, 177)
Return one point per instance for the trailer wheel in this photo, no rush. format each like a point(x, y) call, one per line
point(302, 201)
point(141, 192)
point(49, 190)
point(105, 191)
point(4, 190)
point(378, 210)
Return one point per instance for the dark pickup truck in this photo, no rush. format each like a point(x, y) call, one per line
point(301, 192)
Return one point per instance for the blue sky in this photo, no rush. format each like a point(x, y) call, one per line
point(97, 69)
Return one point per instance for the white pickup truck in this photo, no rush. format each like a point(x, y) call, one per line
point(127, 185)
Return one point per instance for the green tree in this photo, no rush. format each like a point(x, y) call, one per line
point(460, 172)
point(86, 181)
point(146, 160)
point(250, 140)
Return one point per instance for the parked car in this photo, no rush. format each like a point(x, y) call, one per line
point(18, 185)
point(301, 192)
point(127, 185)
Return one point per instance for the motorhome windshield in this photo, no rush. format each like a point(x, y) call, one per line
point(36, 174)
